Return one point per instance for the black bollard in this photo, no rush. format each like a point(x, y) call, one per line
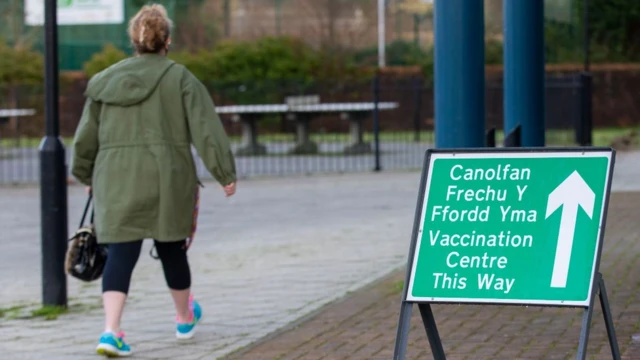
point(584, 127)
point(490, 138)
point(376, 123)
point(514, 138)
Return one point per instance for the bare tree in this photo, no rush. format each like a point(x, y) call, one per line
point(420, 11)
point(227, 18)
point(199, 25)
point(493, 17)
point(253, 18)
point(336, 23)
point(17, 34)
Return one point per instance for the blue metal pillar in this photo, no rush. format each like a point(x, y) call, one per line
point(459, 73)
point(524, 74)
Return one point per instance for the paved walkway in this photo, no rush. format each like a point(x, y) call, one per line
point(275, 252)
point(363, 326)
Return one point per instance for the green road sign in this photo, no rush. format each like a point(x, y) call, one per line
point(511, 227)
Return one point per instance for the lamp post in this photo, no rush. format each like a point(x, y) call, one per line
point(53, 175)
point(584, 130)
point(586, 35)
point(381, 34)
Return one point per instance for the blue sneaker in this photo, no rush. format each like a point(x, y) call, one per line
point(186, 331)
point(113, 345)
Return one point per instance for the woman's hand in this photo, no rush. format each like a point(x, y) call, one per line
point(230, 189)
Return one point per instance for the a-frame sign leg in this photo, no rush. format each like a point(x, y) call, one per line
point(432, 331)
point(430, 327)
point(400, 350)
point(608, 319)
point(584, 333)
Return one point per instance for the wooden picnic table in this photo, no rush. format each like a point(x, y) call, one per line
point(303, 114)
point(6, 114)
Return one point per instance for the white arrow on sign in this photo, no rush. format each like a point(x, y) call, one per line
point(572, 193)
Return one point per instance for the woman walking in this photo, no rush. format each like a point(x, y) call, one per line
point(133, 148)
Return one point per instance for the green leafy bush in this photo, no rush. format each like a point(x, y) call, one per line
point(614, 27)
point(404, 53)
point(398, 53)
point(266, 70)
point(493, 52)
point(20, 66)
point(102, 60)
point(427, 65)
point(266, 59)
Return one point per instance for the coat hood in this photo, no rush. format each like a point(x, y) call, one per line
point(129, 81)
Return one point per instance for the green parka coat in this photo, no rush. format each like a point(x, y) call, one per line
point(133, 146)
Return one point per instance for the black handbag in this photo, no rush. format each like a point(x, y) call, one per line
point(85, 258)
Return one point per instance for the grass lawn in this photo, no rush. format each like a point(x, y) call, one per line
point(601, 137)
point(29, 142)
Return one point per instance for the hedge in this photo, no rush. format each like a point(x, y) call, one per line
point(284, 59)
point(255, 71)
point(20, 66)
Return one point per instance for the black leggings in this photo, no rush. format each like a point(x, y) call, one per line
point(122, 258)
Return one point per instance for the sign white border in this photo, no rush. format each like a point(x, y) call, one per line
point(505, 155)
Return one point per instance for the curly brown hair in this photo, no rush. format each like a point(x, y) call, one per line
point(150, 29)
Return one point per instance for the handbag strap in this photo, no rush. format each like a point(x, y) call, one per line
point(86, 209)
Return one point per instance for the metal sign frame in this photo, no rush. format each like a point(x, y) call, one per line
point(597, 283)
